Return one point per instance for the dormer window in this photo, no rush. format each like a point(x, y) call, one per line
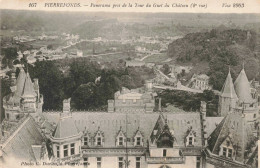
point(99, 138)
point(226, 148)
point(86, 141)
point(227, 152)
point(99, 141)
point(190, 138)
point(228, 143)
point(138, 138)
point(121, 138)
point(120, 141)
point(138, 141)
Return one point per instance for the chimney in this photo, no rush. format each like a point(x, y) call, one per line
point(36, 81)
point(13, 82)
point(160, 104)
point(149, 85)
point(203, 108)
point(13, 78)
point(66, 105)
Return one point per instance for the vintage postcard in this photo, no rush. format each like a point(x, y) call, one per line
point(130, 83)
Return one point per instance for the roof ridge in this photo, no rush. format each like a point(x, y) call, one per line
point(14, 130)
point(225, 119)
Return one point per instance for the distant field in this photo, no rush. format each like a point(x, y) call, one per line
point(157, 58)
point(110, 58)
point(38, 43)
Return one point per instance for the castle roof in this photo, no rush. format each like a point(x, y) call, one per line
point(110, 124)
point(159, 127)
point(19, 86)
point(28, 89)
point(228, 88)
point(24, 87)
point(20, 143)
point(242, 87)
point(234, 127)
point(65, 128)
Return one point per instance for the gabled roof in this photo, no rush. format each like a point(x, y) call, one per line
point(228, 88)
point(37, 150)
point(158, 128)
point(65, 128)
point(19, 144)
point(242, 87)
point(233, 126)
point(120, 132)
point(212, 140)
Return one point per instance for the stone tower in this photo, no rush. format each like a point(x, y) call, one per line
point(25, 98)
point(227, 97)
point(246, 104)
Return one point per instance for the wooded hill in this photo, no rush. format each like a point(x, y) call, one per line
point(219, 49)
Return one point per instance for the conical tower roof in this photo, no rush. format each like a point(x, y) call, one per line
point(228, 88)
point(28, 89)
point(19, 86)
point(242, 87)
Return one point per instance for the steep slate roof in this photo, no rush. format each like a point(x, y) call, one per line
point(20, 143)
point(212, 123)
point(228, 88)
point(234, 126)
point(24, 87)
point(37, 149)
point(65, 128)
point(19, 86)
point(159, 126)
point(110, 124)
point(242, 87)
point(28, 89)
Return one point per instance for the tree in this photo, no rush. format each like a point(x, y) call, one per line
point(10, 53)
point(5, 90)
point(51, 83)
point(16, 62)
point(166, 69)
point(84, 96)
point(49, 47)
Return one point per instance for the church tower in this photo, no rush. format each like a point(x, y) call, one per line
point(227, 97)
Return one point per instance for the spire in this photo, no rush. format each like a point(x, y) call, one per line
point(28, 89)
point(242, 87)
point(228, 88)
point(19, 85)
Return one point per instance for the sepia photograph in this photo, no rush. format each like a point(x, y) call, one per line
point(129, 89)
